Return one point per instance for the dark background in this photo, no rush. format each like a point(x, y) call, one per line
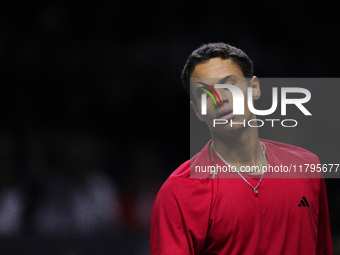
point(92, 107)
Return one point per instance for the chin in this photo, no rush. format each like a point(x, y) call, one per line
point(228, 130)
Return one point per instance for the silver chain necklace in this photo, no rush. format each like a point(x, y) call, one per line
point(225, 162)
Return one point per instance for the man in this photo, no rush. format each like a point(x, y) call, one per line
point(195, 213)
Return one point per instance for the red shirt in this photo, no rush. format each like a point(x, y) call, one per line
point(222, 215)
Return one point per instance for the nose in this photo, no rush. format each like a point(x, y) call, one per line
point(224, 95)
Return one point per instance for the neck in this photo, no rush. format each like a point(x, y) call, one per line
point(241, 149)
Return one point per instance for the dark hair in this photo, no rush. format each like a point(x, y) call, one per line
point(215, 50)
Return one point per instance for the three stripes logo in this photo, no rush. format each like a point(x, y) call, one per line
point(303, 202)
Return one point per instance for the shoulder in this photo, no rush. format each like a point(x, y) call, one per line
point(180, 182)
point(179, 193)
point(181, 185)
point(290, 152)
point(202, 158)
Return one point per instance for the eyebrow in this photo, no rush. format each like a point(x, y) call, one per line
point(199, 88)
point(223, 80)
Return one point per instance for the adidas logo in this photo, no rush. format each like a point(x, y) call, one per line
point(303, 202)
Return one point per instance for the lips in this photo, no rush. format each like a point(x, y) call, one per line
point(225, 114)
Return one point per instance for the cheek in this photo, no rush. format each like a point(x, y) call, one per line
point(197, 101)
point(245, 93)
point(208, 118)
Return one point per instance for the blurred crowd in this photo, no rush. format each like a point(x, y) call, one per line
point(78, 155)
point(58, 185)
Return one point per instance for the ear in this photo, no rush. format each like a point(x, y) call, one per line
point(255, 84)
point(197, 111)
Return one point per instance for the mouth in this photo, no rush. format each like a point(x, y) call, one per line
point(226, 114)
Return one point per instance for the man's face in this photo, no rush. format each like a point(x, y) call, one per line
point(221, 71)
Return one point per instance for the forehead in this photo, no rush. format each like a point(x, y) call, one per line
point(217, 68)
